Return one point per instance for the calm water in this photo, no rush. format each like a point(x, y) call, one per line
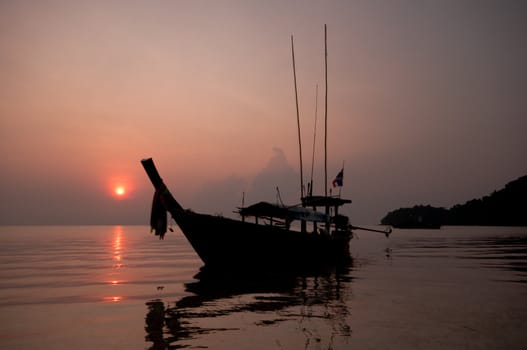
point(118, 287)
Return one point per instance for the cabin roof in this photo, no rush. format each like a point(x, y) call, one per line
point(265, 209)
point(323, 201)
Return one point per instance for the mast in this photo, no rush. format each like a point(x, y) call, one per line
point(326, 113)
point(298, 122)
point(326, 125)
point(314, 141)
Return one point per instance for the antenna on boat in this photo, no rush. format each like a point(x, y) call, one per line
point(340, 187)
point(279, 197)
point(298, 121)
point(243, 206)
point(314, 139)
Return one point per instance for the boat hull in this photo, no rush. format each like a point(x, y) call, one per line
point(221, 241)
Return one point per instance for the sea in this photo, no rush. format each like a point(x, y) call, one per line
point(120, 287)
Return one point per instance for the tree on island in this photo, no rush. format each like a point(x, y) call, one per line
point(419, 216)
point(506, 207)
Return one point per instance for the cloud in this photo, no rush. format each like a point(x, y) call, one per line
point(277, 173)
point(223, 196)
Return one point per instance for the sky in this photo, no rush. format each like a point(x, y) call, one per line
point(427, 104)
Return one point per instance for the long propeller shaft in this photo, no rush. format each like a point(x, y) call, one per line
point(385, 232)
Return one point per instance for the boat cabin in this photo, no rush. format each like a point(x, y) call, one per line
point(279, 215)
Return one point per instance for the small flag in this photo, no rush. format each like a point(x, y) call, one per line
point(338, 179)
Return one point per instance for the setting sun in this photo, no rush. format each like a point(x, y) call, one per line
point(119, 187)
point(120, 191)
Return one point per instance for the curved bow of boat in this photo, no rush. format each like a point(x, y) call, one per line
point(168, 200)
point(163, 200)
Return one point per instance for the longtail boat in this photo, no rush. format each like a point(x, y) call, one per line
point(271, 240)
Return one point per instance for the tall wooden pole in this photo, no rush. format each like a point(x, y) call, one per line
point(298, 122)
point(310, 186)
point(326, 113)
point(328, 226)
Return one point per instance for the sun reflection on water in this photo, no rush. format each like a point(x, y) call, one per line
point(117, 237)
point(117, 257)
point(114, 299)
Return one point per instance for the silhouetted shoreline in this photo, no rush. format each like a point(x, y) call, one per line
point(505, 207)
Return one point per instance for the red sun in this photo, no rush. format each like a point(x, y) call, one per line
point(120, 191)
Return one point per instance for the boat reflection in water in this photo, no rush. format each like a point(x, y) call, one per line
point(306, 309)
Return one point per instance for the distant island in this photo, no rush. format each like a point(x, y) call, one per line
point(506, 207)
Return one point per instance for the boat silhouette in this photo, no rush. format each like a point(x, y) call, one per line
point(271, 241)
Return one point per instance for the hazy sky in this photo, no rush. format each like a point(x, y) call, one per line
point(427, 103)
